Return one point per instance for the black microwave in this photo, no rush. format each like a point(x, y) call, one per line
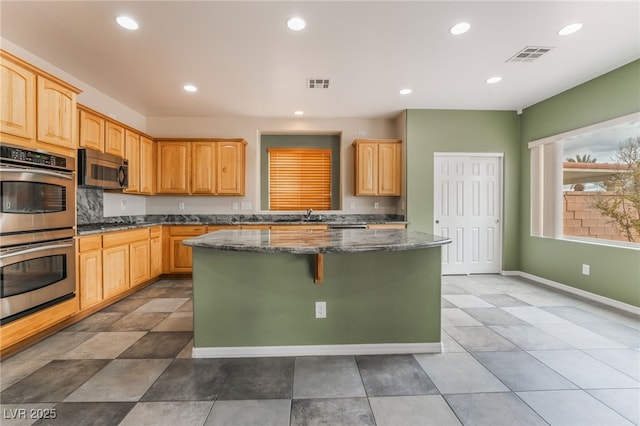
point(102, 170)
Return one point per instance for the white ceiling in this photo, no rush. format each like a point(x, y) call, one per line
point(246, 62)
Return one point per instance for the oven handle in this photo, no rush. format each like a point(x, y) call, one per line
point(38, 171)
point(35, 249)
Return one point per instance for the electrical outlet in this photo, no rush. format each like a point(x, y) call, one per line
point(376, 205)
point(245, 205)
point(234, 206)
point(321, 309)
point(181, 205)
point(123, 205)
point(352, 205)
point(586, 269)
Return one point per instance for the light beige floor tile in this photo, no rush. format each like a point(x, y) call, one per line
point(106, 345)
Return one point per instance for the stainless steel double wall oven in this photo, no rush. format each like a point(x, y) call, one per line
point(37, 248)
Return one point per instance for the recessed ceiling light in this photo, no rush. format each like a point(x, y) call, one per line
point(493, 80)
point(190, 88)
point(460, 28)
point(296, 24)
point(299, 113)
point(570, 29)
point(405, 91)
point(127, 22)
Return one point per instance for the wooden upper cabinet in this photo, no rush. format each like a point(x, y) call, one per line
point(56, 110)
point(231, 168)
point(147, 166)
point(203, 167)
point(114, 142)
point(91, 131)
point(366, 169)
point(132, 148)
point(389, 166)
point(173, 167)
point(18, 102)
point(214, 167)
point(378, 164)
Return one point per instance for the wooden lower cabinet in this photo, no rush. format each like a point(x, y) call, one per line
point(155, 251)
point(90, 270)
point(115, 262)
point(139, 262)
point(179, 257)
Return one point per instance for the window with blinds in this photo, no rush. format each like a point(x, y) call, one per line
point(299, 178)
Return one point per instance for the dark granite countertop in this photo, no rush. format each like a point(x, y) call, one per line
point(317, 241)
point(230, 220)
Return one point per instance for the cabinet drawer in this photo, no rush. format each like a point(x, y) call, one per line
point(93, 242)
point(125, 237)
point(187, 230)
point(155, 232)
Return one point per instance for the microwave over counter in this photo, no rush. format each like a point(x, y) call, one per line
point(102, 170)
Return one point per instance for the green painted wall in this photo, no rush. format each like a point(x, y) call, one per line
point(615, 272)
point(260, 299)
point(430, 131)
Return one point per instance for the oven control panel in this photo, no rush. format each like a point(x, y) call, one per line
point(35, 158)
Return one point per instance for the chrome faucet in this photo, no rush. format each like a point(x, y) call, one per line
point(309, 211)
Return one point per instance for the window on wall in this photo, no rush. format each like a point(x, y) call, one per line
point(299, 178)
point(298, 172)
point(585, 184)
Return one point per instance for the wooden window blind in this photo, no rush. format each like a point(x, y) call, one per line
point(299, 178)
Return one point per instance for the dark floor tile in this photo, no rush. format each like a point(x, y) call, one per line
point(178, 292)
point(53, 382)
point(100, 321)
point(126, 305)
point(139, 321)
point(161, 344)
point(88, 414)
point(340, 411)
point(394, 375)
point(149, 292)
point(259, 378)
point(189, 380)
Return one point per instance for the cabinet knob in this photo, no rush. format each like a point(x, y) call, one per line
point(437, 221)
point(224, 170)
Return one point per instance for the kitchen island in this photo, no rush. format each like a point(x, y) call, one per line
point(256, 292)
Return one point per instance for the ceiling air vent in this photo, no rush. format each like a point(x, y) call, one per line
point(530, 54)
point(318, 83)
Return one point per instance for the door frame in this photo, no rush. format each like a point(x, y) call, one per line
point(500, 157)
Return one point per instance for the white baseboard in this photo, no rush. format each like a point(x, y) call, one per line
point(578, 292)
point(309, 350)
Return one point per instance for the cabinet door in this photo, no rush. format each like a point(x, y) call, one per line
point(115, 267)
point(139, 261)
point(91, 131)
point(90, 278)
point(147, 166)
point(132, 147)
point(155, 254)
point(114, 139)
point(17, 103)
point(56, 109)
point(230, 169)
point(203, 167)
point(389, 169)
point(366, 177)
point(173, 167)
point(180, 256)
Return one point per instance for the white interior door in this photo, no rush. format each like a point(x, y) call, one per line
point(468, 209)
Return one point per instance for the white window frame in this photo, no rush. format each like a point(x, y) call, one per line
point(546, 183)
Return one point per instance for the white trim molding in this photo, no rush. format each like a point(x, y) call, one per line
point(578, 292)
point(308, 350)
